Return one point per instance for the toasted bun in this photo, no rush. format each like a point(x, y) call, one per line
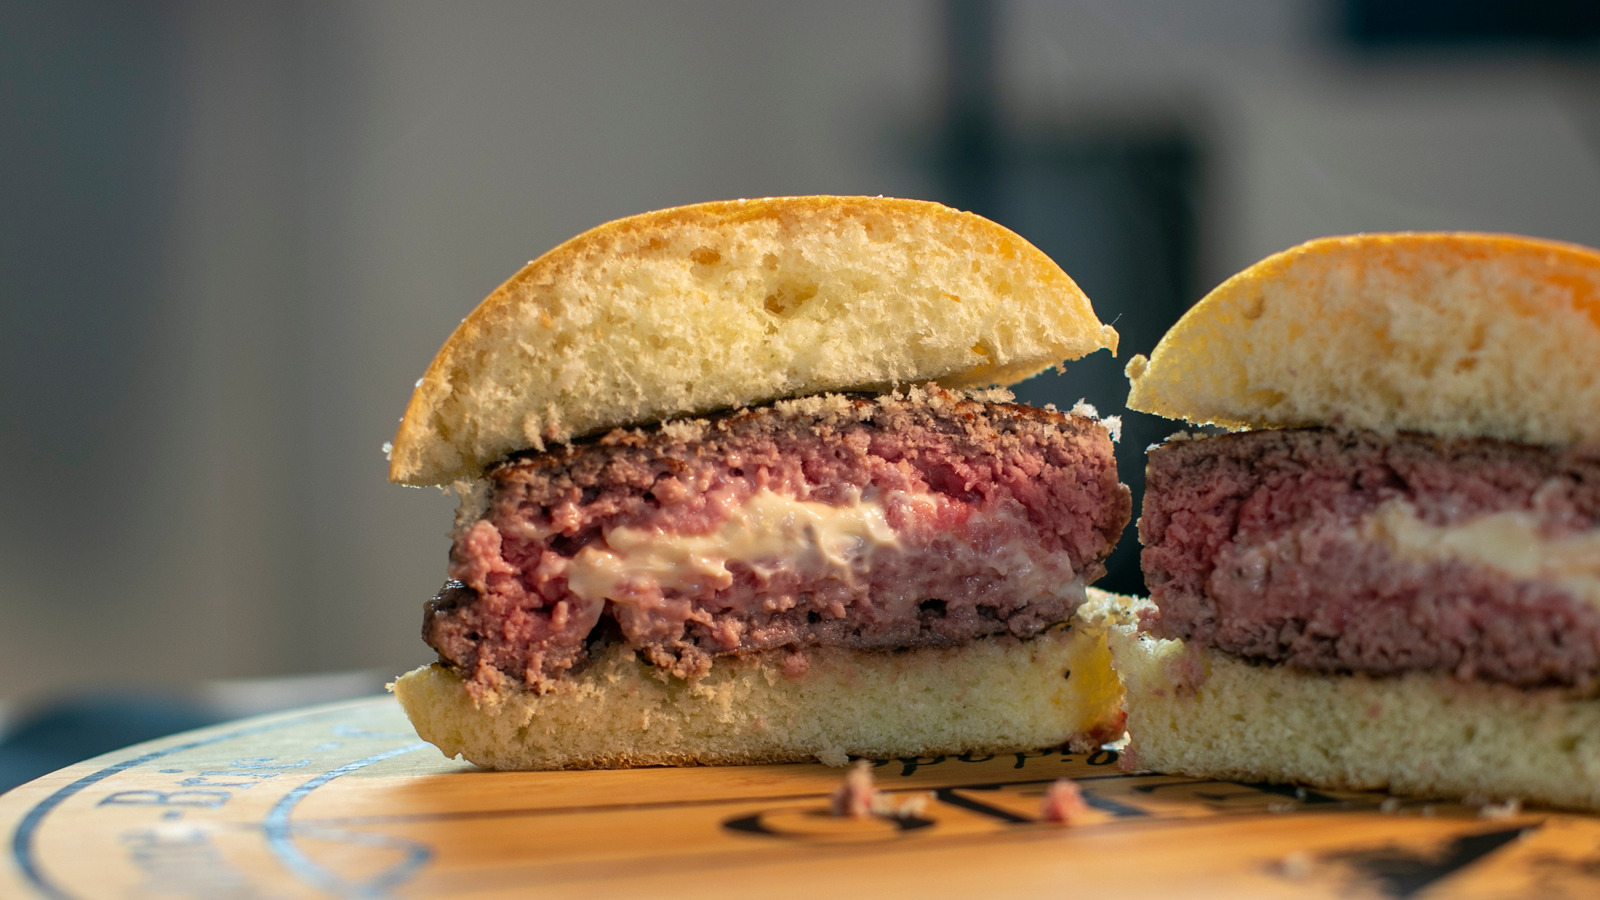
point(1210, 715)
point(726, 304)
point(994, 694)
point(1454, 334)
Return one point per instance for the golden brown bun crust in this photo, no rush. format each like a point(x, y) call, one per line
point(1455, 334)
point(1210, 715)
point(732, 303)
point(994, 694)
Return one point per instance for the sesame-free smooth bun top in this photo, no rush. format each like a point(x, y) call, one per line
point(723, 304)
point(1455, 334)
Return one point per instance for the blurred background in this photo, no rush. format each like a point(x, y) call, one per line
point(233, 234)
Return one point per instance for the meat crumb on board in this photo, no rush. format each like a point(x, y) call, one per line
point(1063, 803)
point(856, 798)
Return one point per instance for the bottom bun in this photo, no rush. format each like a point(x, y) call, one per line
point(995, 694)
point(1207, 714)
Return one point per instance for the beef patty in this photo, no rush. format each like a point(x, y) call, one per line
point(903, 520)
point(1350, 551)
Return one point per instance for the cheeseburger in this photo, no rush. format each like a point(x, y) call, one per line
point(732, 491)
point(1388, 575)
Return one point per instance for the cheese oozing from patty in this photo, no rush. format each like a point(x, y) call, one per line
point(1509, 543)
point(765, 532)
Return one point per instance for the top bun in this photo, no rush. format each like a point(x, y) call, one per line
point(1458, 335)
point(717, 305)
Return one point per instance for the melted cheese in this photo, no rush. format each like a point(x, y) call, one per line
point(1506, 542)
point(767, 531)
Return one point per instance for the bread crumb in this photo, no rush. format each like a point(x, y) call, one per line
point(685, 430)
point(1063, 803)
point(833, 757)
point(1179, 437)
point(1506, 810)
point(990, 395)
point(1113, 426)
point(1295, 866)
point(816, 406)
point(1282, 806)
point(1389, 806)
point(915, 806)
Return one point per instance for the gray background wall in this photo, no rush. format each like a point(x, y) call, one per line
point(233, 234)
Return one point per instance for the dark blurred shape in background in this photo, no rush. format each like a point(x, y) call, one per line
point(1116, 204)
point(234, 233)
point(1417, 23)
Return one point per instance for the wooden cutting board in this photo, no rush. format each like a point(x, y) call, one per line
point(345, 801)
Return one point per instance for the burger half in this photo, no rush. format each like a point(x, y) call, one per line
point(1389, 575)
point(730, 493)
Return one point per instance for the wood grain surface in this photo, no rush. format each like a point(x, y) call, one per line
point(345, 801)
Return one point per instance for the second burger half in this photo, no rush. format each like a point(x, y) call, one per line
point(1389, 576)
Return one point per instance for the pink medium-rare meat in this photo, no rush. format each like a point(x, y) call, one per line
point(1349, 551)
point(908, 520)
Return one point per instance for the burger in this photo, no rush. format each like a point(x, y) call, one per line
point(736, 486)
point(1386, 574)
